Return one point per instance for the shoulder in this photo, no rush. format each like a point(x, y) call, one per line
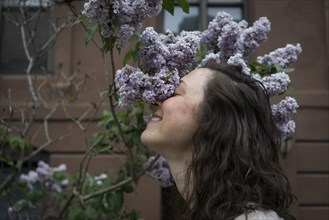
point(260, 215)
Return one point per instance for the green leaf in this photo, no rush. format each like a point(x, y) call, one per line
point(127, 57)
point(91, 213)
point(135, 55)
point(16, 143)
point(107, 43)
point(201, 53)
point(184, 5)
point(79, 19)
point(169, 5)
point(34, 196)
point(7, 159)
point(91, 30)
point(117, 201)
point(127, 188)
point(288, 70)
point(133, 215)
point(21, 185)
point(135, 36)
point(75, 213)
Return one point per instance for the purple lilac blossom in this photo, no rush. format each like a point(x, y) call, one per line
point(153, 50)
point(282, 113)
point(160, 171)
point(43, 175)
point(31, 178)
point(135, 85)
point(283, 110)
point(286, 129)
point(210, 57)
point(281, 56)
point(97, 10)
point(276, 83)
point(214, 30)
point(228, 39)
point(183, 51)
point(164, 59)
point(121, 19)
point(165, 51)
point(252, 37)
point(238, 60)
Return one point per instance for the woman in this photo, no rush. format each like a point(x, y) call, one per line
point(221, 144)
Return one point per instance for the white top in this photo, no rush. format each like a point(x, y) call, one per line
point(260, 215)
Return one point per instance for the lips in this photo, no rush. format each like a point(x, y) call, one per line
point(156, 117)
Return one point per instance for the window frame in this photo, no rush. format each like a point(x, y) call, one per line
point(203, 6)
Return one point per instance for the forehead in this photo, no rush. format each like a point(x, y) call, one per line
point(197, 78)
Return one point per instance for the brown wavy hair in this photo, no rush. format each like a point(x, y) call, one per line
point(235, 160)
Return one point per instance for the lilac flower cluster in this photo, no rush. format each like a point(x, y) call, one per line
point(210, 57)
point(121, 19)
point(136, 85)
point(252, 37)
point(43, 175)
point(227, 41)
point(164, 58)
point(160, 171)
point(238, 60)
point(276, 83)
point(227, 37)
point(214, 30)
point(165, 51)
point(281, 56)
point(282, 113)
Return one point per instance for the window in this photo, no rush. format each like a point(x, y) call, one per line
point(13, 60)
point(201, 12)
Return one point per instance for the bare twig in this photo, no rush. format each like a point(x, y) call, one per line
point(50, 42)
point(44, 103)
point(78, 121)
point(45, 122)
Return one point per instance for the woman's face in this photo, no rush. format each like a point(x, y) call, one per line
point(175, 119)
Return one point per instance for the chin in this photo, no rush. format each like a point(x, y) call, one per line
point(145, 138)
point(148, 140)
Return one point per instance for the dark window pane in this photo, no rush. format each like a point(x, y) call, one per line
point(181, 21)
point(12, 56)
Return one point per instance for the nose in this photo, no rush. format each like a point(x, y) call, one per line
point(159, 103)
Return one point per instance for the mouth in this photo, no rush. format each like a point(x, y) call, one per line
point(156, 117)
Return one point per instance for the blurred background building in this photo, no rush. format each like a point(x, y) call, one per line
point(293, 21)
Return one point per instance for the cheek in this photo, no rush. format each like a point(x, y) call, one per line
point(181, 112)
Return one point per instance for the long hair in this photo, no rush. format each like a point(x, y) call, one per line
point(235, 160)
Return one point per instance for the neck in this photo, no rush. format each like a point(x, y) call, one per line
point(178, 167)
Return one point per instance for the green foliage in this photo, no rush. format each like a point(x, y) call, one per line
point(132, 125)
point(262, 69)
point(92, 29)
point(169, 5)
point(120, 128)
point(133, 54)
point(13, 145)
